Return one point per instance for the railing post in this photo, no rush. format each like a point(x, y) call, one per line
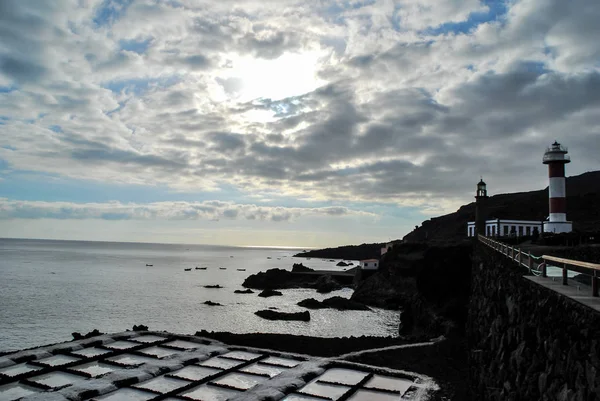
point(530, 262)
point(544, 270)
point(520, 257)
point(564, 274)
point(594, 285)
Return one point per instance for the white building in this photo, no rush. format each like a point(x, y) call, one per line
point(369, 264)
point(505, 228)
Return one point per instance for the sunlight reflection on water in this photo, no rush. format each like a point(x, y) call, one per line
point(50, 289)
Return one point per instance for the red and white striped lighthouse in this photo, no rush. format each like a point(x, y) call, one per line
point(556, 158)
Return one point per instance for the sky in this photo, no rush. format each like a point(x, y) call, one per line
point(283, 123)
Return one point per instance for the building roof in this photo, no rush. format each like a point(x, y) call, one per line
point(160, 365)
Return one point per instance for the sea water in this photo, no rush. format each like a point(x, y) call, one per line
point(49, 289)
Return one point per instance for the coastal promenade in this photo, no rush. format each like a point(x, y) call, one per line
point(564, 284)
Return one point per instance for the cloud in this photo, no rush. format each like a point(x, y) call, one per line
point(207, 210)
point(401, 105)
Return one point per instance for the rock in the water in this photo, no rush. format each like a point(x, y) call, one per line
point(338, 303)
point(269, 293)
point(140, 327)
point(311, 303)
point(275, 278)
point(79, 336)
point(325, 284)
point(300, 268)
point(211, 303)
point(247, 291)
point(274, 315)
point(343, 264)
point(279, 279)
point(213, 286)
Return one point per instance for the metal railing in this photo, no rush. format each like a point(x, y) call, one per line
point(538, 265)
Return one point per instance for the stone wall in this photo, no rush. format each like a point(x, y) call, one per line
point(527, 342)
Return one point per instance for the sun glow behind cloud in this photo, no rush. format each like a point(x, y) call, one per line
point(291, 74)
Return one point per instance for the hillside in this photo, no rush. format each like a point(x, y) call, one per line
point(583, 208)
point(348, 252)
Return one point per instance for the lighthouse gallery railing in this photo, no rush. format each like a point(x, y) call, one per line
point(538, 265)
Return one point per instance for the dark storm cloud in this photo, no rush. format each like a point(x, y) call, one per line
point(269, 43)
point(21, 71)
point(21, 28)
point(197, 61)
point(226, 142)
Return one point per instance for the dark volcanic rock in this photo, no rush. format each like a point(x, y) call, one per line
point(343, 264)
point(325, 284)
point(140, 327)
point(269, 293)
point(274, 315)
point(79, 336)
point(300, 268)
point(431, 284)
point(277, 279)
point(213, 286)
point(349, 252)
point(407, 321)
point(317, 346)
point(311, 303)
point(211, 303)
point(338, 303)
point(247, 291)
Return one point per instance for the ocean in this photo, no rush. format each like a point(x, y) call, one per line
point(49, 289)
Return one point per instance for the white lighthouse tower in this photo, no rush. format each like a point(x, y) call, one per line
point(556, 158)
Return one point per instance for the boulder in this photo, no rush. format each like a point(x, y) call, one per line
point(325, 284)
point(275, 315)
point(311, 303)
point(343, 264)
point(213, 286)
point(276, 279)
point(407, 321)
point(211, 303)
point(300, 268)
point(338, 303)
point(269, 293)
point(246, 291)
point(79, 336)
point(140, 327)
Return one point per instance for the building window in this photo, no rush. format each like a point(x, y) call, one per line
point(528, 231)
point(520, 231)
point(505, 230)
